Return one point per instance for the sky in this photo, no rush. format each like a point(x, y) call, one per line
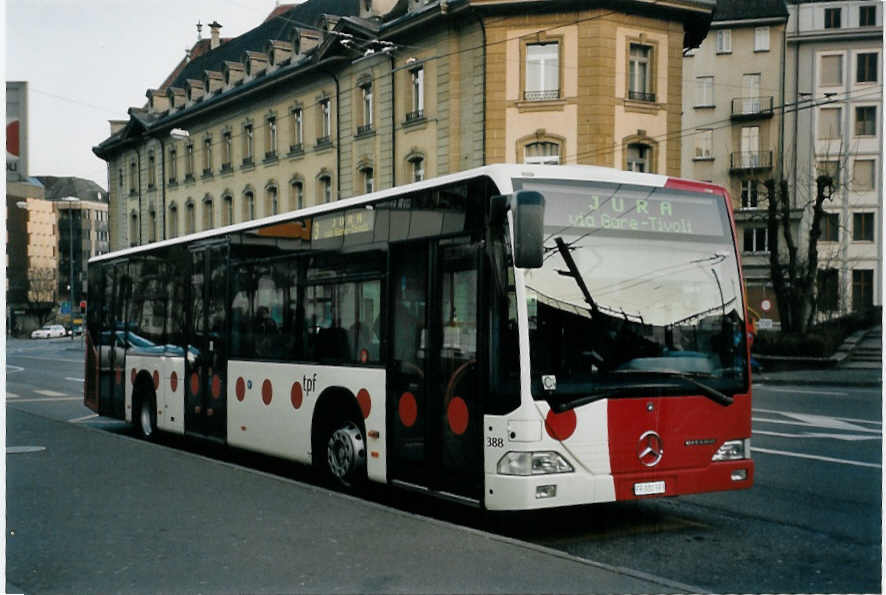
point(88, 62)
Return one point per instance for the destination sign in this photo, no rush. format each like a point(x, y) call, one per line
point(592, 206)
point(342, 224)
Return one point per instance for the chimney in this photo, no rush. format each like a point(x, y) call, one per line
point(215, 32)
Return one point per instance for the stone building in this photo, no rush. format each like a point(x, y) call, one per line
point(330, 99)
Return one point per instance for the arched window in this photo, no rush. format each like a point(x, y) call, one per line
point(190, 217)
point(227, 209)
point(133, 229)
point(248, 205)
point(297, 194)
point(639, 157)
point(325, 188)
point(208, 213)
point(367, 175)
point(153, 230)
point(272, 201)
point(416, 168)
point(543, 152)
point(173, 221)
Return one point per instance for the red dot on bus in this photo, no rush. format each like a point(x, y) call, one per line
point(195, 384)
point(267, 391)
point(408, 409)
point(364, 356)
point(173, 381)
point(457, 414)
point(365, 402)
point(296, 395)
point(156, 380)
point(216, 386)
point(241, 388)
point(560, 426)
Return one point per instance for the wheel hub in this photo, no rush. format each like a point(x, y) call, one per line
point(346, 453)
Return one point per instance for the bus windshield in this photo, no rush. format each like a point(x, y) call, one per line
point(639, 294)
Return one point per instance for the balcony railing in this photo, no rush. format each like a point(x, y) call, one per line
point(546, 95)
point(751, 108)
point(415, 116)
point(750, 160)
point(323, 141)
point(364, 129)
point(641, 96)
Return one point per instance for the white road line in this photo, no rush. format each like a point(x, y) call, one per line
point(50, 393)
point(849, 419)
point(16, 369)
point(47, 399)
point(808, 425)
point(48, 359)
point(84, 418)
point(12, 396)
point(815, 457)
point(74, 379)
point(807, 392)
point(808, 435)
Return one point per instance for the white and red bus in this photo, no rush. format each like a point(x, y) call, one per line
point(513, 336)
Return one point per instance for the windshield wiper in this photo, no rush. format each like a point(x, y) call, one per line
point(706, 390)
point(574, 273)
point(615, 391)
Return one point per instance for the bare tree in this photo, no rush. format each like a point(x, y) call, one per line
point(42, 292)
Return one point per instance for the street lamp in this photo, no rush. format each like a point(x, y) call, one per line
point(71, 200)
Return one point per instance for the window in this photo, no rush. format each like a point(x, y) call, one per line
point(133, 230)
point(297, 197)
point(867, 16)
point(828, 283)
point(208, 214)
point(761, 39)
point(638, 157)
point(830, 168)
point(189, 161)
point(152, 170)
point(297, 130)
point(173, 221)
point(120, 178)
point(749, 194)
point(417, 101)
point(756, 239)
point(368, 179)
point(704, 144)
point(831, 71)
point(418, 169)
point(207, 156)
point(366, 92)
point(227, 209)
point(272, 201)
point(723, 41)
point(248, 205)
point(173, 165)
point(639, 76)
point(190, 218)
point(866, 120)
point(542, 71)
point(133, 173)
point(867, 68)
point(704, 91)
point(271, 138)
point(227, 151)
point(863, 175)
point(831, 18)
point(862, 227)
point(325, 122)
point(544, 152)
point(830, 227)
point(829, 123)
point(248, 144)
point(862, 289)
point(325, 189)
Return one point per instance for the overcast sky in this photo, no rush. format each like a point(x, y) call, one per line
point(87, 62)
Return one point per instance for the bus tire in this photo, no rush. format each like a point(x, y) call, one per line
point(146, 415)
point(345, 454)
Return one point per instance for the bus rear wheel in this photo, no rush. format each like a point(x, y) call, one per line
point(346, 455)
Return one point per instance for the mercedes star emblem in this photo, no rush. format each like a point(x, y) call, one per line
point(650, 449)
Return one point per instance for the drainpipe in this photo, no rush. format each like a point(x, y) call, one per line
point(483, 125)
point(393, 127)
point(779, 172)
point(162, 188)
point(139, 155)
point(337, 136)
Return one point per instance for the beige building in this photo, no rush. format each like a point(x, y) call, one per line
point(326, 100)
point(733, 121)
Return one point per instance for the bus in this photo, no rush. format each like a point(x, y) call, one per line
point(512, 337)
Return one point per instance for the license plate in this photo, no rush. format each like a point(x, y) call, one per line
point(649, 487)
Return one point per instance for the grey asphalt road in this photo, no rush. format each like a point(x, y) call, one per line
point(810, 524)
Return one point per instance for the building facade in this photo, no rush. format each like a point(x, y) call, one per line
point(733, 119)
point(834, 78)
point(329, 99)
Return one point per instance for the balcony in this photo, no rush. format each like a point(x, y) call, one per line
point(547, 95)
point(750, 161)
point(364, 130)
point(641, 96)
point(415, 116)
point(751, 108)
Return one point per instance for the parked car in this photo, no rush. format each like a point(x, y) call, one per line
point(47, 331)
point(77, 330)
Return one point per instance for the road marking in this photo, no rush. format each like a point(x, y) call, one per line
point(805, 391)
point(12, 396)
point(16, 369)
point(50, 393)
point(84, 418)
point(74, 379)
point(48, 359)
point(846, 437)
point(854, 420)
point(48, 399)
point(815, 457)
point(836, 424)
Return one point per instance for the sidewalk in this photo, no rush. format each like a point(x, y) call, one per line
point(100, 512)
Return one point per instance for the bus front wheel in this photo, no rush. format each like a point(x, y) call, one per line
point(146, 424)
point(346, 454)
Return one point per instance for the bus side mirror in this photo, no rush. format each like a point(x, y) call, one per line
point(528, 209)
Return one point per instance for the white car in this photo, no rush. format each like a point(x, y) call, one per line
point(47, 331)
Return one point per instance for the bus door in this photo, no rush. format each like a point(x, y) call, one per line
point(206, 358)
point(433, 381)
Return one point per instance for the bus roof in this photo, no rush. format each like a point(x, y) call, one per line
point(501, 174)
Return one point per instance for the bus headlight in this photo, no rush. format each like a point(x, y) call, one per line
point(533, 463)
point(733, 450)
